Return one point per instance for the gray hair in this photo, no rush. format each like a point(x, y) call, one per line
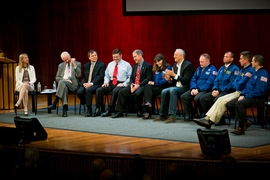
point(138, 51)
point(181, 51)
point(65, 53)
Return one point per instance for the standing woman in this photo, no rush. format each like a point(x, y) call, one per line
point(154, 88)
point(25, 79)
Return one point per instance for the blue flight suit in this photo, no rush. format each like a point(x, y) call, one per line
point(223, 83)
point(203, 80)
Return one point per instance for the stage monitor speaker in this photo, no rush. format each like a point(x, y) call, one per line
point(30, 129)
point(214, 143)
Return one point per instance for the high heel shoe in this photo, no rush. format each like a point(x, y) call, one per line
point(16, 106)
point(25, 113)
point(147, 116)
point(148, 112)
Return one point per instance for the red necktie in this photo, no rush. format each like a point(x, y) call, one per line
point(137, 79)
point(115, 74)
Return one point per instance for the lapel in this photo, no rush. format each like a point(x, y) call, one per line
point(142, 68)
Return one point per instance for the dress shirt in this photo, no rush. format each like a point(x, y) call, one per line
point(124, 72)
point(178, 83)
point(67, 71)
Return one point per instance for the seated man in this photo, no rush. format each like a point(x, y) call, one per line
point(92, 79)
point(116, 77)
point(216, 112)
point(252, 95)
point(180, 77)
point(141, 74)
point(223, 83)
point(201, 83)
point(67, 76)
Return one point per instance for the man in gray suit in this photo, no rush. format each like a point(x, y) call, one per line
point(67, 77)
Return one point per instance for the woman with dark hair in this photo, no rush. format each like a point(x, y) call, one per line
point(154, 88)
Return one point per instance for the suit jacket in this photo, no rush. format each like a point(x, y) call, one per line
point(75, 73)
point(145, 76)
point(186, 74)
point(97, 74)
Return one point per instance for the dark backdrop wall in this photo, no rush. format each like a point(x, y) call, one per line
point(44, 29)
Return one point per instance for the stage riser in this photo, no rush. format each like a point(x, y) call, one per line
point(78, 165)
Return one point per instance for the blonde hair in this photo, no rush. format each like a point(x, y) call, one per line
point(21, 57)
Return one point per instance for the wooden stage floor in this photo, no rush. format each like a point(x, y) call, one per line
point(84, 142)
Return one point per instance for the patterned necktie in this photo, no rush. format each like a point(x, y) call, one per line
point(91, 71)
point(138, 72)
point(115, 74)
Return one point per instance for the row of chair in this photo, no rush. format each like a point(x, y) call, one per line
point(262, 112)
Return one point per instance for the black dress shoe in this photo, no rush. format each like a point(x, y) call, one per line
point(52, 106)
point(139, 114)
point(117, 115)
point(203, 122)
point(107, 113)
point(97, 113)
point(88, 114)
point(187, 118)
point(64, 113)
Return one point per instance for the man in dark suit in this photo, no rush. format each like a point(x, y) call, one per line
point(92, 79)
point(141, 74)
point(180, 78)
point(67, 77)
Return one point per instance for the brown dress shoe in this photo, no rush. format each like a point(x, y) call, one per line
point(238, 131)
point(247, 125)
point(160, 118)
point(171, 119)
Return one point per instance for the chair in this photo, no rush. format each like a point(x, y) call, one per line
point(33, 97)
point(75, 97)
point(261, 114)
point(80, 108)
point(84, 105)
point(267, 107)
point(157, 101)
point(235, 123)
point(107, 99)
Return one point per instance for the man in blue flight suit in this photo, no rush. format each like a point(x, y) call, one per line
point(201, 83)
point(253, 95)
point(216, 112)
point(223, 83)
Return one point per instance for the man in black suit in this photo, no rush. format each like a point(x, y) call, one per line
point(180, 77)
point(92, 79)
point(141, 74)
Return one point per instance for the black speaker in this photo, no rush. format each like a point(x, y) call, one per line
point(214, 143)
point(30, 129)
